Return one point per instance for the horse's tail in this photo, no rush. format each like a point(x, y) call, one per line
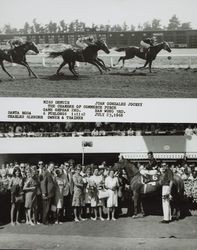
point(120, 49)
point(55, 54)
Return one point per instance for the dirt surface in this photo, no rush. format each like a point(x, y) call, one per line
point(124, 233)
point(117, 83)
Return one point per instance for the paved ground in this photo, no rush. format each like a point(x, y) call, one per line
point(116, 83)
point(125, 233)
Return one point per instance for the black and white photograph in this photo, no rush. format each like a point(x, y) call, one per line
point(98, 133)
point(114, 48)
point(98, 185)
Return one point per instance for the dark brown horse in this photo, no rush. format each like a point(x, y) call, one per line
point(131, 52)
point(17, 55)
point(89, 55)
point(140, 189)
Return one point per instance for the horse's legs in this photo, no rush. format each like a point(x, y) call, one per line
point(103, 64)
point(150, 64)
point(123, 62)
point(120, 58)
point(28, 68)
point(71, 69)
point(2, 66)
point(61, 66)
point(141, 207)
point(143, 67)
point(135, 201)
point(95, 64)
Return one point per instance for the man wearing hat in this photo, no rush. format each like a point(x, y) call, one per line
point(166, 182)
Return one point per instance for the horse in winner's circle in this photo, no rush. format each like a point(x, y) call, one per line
point(18, 55)
point(131, 52)
point(140, 189)
point(89, 55)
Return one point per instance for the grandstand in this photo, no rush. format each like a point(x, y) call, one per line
point(177, 38)
point(99, 148)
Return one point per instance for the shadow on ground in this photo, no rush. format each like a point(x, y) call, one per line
point(62, 77)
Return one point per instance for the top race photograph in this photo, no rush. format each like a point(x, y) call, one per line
point(112, 49)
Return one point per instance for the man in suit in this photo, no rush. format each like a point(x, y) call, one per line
point(68, 191)
point(48, 192)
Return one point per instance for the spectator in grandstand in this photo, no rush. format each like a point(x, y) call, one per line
point(167, 182)
point(112, 184)
point(195, 130)
point(130, 132)
point(79, 194)
point(189, 131)
point(17, 195)
point(95, 132)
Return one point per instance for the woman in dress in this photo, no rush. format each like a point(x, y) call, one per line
point(60, 184)
point(112, 184)
point(16, 189)
point(79, 194)
point(30, 188)
point(96, 184)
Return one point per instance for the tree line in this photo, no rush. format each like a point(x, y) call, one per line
point(78, 26)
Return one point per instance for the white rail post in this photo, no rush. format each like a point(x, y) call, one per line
point(43, 61)
point(189, 62)
point(111, 62)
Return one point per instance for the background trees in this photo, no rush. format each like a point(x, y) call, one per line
point(77, 25)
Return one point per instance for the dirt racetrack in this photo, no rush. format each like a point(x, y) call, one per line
point(124, 233)
point(117, 83)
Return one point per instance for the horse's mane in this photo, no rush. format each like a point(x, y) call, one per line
point(130, 168)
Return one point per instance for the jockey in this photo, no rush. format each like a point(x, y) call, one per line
point(146, 44)
point(149, 172)
point(84, 42)
point(14, 43)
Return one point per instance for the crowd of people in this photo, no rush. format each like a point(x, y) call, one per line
point(70, 129)
point(51, 193)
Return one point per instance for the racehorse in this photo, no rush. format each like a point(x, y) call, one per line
point(140, 189)
point(150, 56)
point(89, 55)
point(17, 55)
